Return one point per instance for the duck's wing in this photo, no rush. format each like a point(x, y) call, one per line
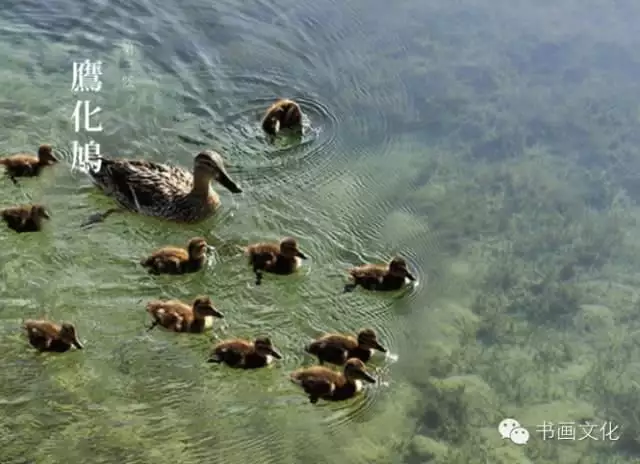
point(139, 183)
point(368, 271)
point(41, 328)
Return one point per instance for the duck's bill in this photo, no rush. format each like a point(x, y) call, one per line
point(410, 276)
point(46, 215)
point(77, 344)
point(275, 354)
point(301, 255)
point(229, 184)
point(369, 378)
point(217, 314)
point(379, 347)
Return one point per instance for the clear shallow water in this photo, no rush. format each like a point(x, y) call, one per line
point(418, 115)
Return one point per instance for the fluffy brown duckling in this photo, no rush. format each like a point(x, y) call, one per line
point(277, 258)
point(180, 317)
point(321, 382)
point(337, 348)
point(49, 336)
point(243, 354)
point(283, 114)
point(27, 165)
point(173, 260)
point(25, 218)
point(380, 277)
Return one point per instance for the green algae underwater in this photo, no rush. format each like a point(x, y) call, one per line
point(493, 144)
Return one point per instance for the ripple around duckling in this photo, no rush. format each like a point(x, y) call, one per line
point(259, 160)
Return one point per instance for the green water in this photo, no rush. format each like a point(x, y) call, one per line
point(493, 144)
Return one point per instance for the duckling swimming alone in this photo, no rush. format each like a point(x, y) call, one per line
point(379, 277)
point(27, 165)
point(321, 382)
point(180, 317)
point(173, 260)
point(277, 258)
point(243, 354)
point(337, 348)
point(25, 218)
point(283, 114)
point(161, 190)
point(49, 336)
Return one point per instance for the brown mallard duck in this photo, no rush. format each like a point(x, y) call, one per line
point(174, 260)
point(337, 348)
point(49, 336)
point(321, 382)
point(380, 277)
point(277, 258)
point(283, 114)
point(28, 165)
point(25, 218)
point(177, 316)
point(161, 190)
point(244, 354)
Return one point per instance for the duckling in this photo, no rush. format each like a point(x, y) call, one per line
point(243, 354)
point(321, 382)
point(173, 260)
point(27, 165)
point(277, 258)
point(49, 336)
point(25, 218)
point(161, 190)
point(337, 348)
point(283, 114)
point(379, 277)
point(180, 317)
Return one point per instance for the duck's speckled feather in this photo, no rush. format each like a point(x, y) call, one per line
point(153, 189)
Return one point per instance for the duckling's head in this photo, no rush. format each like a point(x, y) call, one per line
point(209, 164)
point(398, 268)
point(354, 369)
point(367, 338)
point(289, 248)
point(45, 154)
point(68, 334)
point(271, 123)
point(264, 347)
point(197, 248)
point(204, 306)
point(39, 211)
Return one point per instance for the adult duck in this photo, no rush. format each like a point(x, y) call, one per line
point(162, 190)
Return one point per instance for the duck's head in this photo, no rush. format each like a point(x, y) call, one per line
point(289, 248)
point(209, 164)
point(45, 154)
point(398, 268)
point(367, 338)
point(264, 347)
point(204, 306)
point(197, 248)
point(354, 369)
point(68, 335)
point(39, 212)
point(271, 122)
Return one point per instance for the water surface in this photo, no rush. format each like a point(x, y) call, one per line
point(493, 144)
